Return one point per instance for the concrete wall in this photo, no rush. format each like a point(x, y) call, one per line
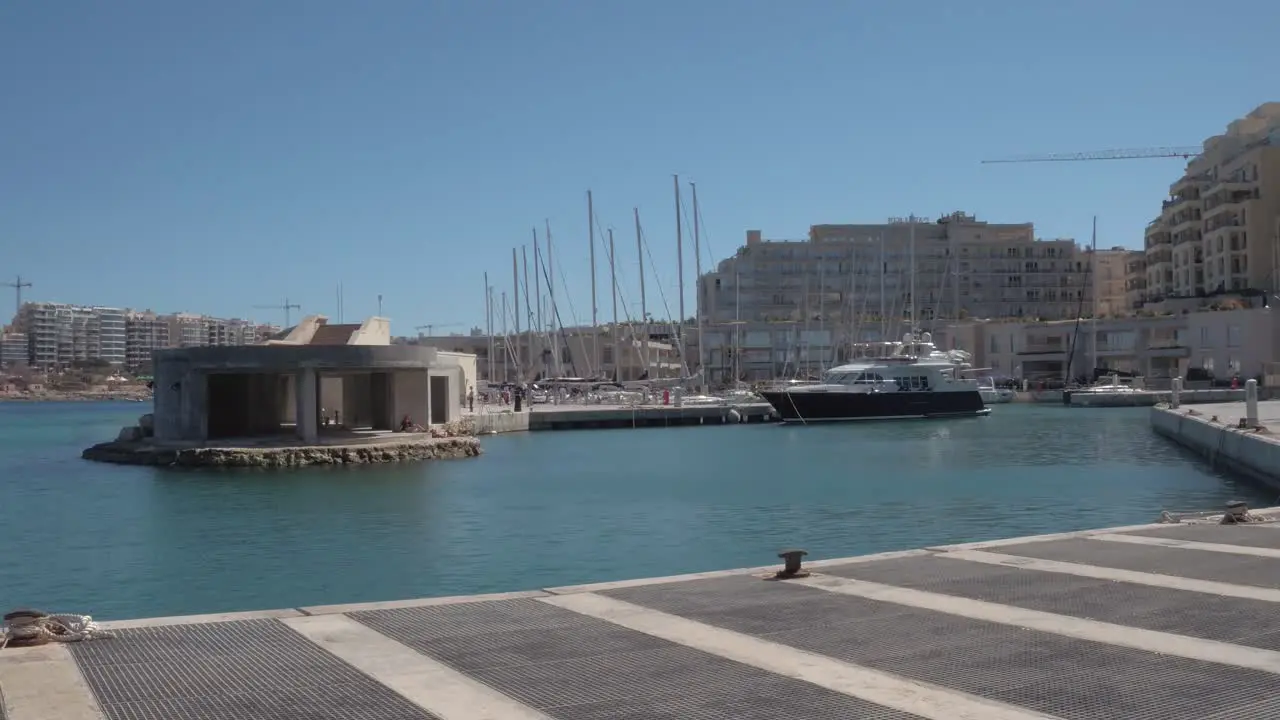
point(1243, 339)
point(1243, 452)
point(409, 396)
point(331, 399)
point(357, 401)
point(466, 361)
point(179, 402)
point(453, 404)
point(374, 331)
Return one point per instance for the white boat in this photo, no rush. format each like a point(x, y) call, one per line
point(1111, 392)
point(993, 395)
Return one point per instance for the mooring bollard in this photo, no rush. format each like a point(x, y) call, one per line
point(791, 564)
point(1175, 393)
point(1251, 403)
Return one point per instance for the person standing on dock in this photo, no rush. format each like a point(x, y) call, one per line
point(471, 399)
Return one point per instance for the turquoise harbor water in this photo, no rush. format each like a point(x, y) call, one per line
point(546, 509)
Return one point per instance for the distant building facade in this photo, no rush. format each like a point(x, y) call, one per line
point(59, 336)
point(1216, 231)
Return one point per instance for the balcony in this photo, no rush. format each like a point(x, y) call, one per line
point(1041, 347)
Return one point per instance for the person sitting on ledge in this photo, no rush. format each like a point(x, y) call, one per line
point(408, 425)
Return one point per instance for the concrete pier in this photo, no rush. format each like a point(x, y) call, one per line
point(583, 417)
point(1171, 621)
point(1226, 436)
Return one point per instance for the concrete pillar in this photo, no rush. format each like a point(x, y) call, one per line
point(307, 390)
point(1251, 403)
point(1175, 392)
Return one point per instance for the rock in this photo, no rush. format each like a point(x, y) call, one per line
point(129, 433)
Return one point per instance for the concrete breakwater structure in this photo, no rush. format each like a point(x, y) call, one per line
point(1240, 437)
point(319, 393)
point(584, 417)
point(1171, 621)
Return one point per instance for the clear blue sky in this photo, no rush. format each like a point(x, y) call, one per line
point(214, 156)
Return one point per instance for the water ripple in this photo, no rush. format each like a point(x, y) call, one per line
point(557, 508)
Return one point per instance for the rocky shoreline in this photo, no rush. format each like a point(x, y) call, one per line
point(147, 452)
point(143, 395)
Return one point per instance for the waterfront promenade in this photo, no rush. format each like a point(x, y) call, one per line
point(1168, 621)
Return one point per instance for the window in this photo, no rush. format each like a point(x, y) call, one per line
point(1233, 336)
point(1204, 337)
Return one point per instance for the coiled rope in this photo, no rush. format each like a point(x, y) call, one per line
point(24, 628)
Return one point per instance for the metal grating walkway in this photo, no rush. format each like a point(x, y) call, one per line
point(245, 670)
point(1254, 623)
point(735, 649)
point(1256, 536)
point(1045, 672)
point(574, 667)
point(1179, 562)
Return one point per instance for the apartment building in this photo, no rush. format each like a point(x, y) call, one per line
point(144, 332)
point(13, 349)
point(108, 335)
point(843, 274)
point(60, 335)
point(1110, 282)
point(1217, 231)
point(1220, 344)
point(1135, 283)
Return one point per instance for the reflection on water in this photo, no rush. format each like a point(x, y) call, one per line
point(557, 508)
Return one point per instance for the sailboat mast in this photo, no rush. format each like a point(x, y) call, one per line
point(1093, 288)
point(822, 293)
point(528, 308)
point(515, 302)
point(613, 277)
point(537, 293)
point(697, 282)
point(675, 182)
point(884, 320)
point(506, 377)
point(911, 264)
point(551, 295)
point(488, 322)
point(644, 306)
point(595, 317)
point(737, 324)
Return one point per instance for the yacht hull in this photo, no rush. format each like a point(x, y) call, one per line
point(810, 407)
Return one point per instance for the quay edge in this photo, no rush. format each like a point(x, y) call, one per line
point(1212, 431)
point(585, 417)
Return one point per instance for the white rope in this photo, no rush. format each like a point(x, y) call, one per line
point(36, 629)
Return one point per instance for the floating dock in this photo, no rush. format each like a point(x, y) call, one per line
point(584, 417)
point(1214, 432)
point(1177, 622)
